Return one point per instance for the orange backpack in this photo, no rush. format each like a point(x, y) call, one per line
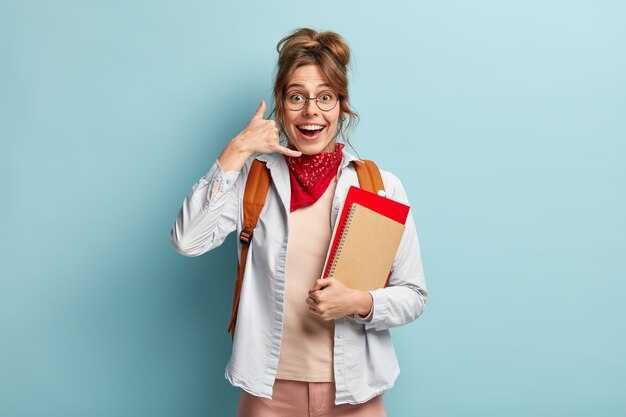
point(257, 185)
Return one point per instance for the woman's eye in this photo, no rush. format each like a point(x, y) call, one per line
point(295, 97)
point(326, 96)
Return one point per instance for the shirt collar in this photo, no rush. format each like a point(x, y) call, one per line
point(268, 158)
point(347, 158)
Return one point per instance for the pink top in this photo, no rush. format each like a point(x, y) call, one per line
point(306, 352)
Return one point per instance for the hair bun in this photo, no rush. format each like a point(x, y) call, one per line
point(337, 45)
point(308, 39)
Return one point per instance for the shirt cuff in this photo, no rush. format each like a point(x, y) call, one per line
point(220, 182)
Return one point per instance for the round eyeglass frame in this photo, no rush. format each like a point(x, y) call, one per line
point(306, 101)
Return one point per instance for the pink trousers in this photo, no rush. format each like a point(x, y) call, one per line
point(305, 399)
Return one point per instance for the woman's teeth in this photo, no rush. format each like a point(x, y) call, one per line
point(311, 131)
point(311, 127)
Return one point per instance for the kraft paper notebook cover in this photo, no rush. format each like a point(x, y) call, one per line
point(366, 239)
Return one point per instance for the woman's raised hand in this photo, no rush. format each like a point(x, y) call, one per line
point(259, 136)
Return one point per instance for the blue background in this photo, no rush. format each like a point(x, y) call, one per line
point(505, 121)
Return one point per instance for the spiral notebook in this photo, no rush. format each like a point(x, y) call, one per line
point(365, 240)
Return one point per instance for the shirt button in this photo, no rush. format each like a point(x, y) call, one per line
point(339, 335)
point(340, 370)
point(227, 181)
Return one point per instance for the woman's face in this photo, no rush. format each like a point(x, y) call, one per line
point(303, 126)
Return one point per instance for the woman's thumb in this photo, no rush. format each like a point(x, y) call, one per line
point(260, 111)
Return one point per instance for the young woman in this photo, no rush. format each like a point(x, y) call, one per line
point(303, 346)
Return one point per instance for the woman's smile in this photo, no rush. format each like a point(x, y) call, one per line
point(311, 131)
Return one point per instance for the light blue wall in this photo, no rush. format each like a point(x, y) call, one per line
point(505, 120)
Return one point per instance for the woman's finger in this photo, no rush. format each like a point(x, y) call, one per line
point(323, 283)
point(315, 295)
point(287, 151)
point(258, 115)
point(316, 287)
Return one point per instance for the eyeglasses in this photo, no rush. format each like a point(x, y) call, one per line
point(325, 101)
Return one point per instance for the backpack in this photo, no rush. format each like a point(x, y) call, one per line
point(257, 185)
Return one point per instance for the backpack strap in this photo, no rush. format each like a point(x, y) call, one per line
point(369, 176)
point(257, 185)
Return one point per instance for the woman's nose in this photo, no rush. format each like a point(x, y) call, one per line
point(310, 108)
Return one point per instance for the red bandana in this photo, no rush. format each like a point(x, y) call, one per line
point(311, 174)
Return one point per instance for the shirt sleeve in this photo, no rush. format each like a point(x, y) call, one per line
point(209, 212)
point(404, 298)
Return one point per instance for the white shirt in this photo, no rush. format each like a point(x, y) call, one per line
point(365, 363)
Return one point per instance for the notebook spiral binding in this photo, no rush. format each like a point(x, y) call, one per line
point(344, 233)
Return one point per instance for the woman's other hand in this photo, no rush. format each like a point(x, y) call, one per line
point(330, 299)
point(259, 136)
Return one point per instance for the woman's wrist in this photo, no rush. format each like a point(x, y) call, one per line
point(234, 155)
point(363, 303)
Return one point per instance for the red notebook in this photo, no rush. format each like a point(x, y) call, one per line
point(365, 239)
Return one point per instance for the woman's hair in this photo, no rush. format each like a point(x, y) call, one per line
point(331, 53)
